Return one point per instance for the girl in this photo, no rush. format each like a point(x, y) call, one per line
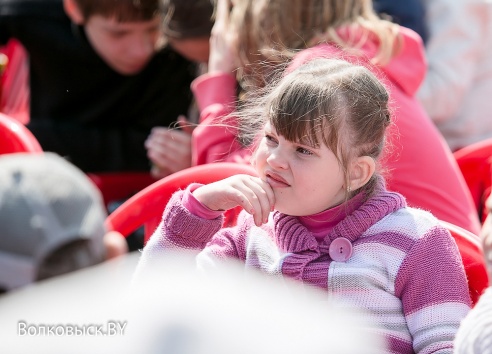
point(318, 212)
point(250, 40)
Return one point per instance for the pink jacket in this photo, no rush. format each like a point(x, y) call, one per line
point(419, 163)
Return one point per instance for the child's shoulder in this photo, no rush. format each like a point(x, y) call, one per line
point(413, 223)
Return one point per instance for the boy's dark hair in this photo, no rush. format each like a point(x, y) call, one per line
point(121, 10)
point(188, 18)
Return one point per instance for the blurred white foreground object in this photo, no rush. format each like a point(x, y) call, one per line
point(177, 310)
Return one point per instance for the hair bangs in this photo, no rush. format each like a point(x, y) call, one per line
point(122, 10)
point(302, 113)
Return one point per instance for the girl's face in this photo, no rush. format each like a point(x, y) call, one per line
point(305, 180)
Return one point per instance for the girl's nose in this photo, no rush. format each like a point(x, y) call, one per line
point(277, 159)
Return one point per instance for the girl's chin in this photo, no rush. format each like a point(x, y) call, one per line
point(286, 210)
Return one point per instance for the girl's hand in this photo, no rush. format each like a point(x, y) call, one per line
point(223, 42)
point(251, 193)
point(169, 150)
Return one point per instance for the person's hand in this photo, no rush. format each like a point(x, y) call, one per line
point(251, 193)
point(223, 41)
point(115, 244)
point(169, 150)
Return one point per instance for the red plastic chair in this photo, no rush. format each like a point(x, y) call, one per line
point(475, 162)
point(14, 82)
point(15, 137)
point(146, 207)
point(473, 259)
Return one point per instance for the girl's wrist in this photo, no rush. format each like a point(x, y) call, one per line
point(195, 206)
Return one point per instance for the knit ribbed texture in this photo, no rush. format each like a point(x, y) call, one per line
point(405, 270)
point(185, 229)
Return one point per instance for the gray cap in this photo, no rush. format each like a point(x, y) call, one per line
point(45, 203)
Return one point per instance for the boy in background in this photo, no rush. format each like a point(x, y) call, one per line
point(99, 77)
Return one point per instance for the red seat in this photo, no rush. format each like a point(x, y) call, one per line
point(146, 207)
point(473, 259)
point(475, 162)
point(14, 82)
point(15, 137)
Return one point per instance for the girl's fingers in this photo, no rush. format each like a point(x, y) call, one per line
point(260, 198)
point(248, 201)
point(270, 195)
point(251, 193)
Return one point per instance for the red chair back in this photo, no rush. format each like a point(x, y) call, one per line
point(473, 259)
point(14, 82)
point(475, 162)
point(15, 137)
point(146, 207)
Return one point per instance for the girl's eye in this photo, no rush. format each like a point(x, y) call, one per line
point(304, 151)
point(269, 138)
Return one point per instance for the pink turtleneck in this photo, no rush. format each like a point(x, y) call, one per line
point(322, 223)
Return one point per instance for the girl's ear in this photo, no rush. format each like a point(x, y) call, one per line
point(72, 10)
point(361, 170)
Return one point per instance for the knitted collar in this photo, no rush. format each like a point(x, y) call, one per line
point(291, 236)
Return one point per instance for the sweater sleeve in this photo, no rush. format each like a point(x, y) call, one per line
point(432, 286)
point(228, 243)
point(214, 139)
point(179, 230)
point(182, 230)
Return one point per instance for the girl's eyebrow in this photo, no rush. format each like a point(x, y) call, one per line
point(307, 141)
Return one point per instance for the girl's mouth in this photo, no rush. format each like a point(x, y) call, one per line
point(276, 181)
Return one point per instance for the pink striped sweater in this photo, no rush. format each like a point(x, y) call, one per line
point(405, 270)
